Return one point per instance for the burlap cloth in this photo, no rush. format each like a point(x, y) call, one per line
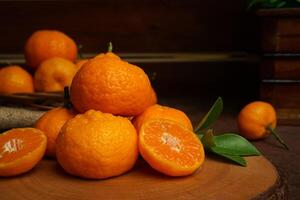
point(15, 117)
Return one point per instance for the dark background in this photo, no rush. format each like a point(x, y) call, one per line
point(152, 26)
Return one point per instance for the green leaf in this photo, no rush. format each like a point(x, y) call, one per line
point(211, 116)
point(235, 158)
point(235, 145)
point(208, 139)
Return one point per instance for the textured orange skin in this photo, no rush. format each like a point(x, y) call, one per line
point(97, 145)
point(50, 123)
point(27, 162)
point(45, 44)
point(164, 112)
point(111, 85)
point(161, 164)
point(54, 74)
point(14, 79)
point(254, 118)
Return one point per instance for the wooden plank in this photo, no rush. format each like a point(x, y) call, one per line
point(259, 180)
point(280, 69)
point(280, 12)
point(214, 57)
point(280, 35)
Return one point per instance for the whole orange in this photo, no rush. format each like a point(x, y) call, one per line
point(21, 149)
point(54, 74)
point(163, 112)
point(97, 145)
point(109, 84)
point(45, 44)
point(255, 118)
point(50, 123)
point(14, 79)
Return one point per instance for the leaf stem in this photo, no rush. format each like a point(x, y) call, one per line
point(276, 135)
point(67, 102)
point(110, 47)
point(79, 46)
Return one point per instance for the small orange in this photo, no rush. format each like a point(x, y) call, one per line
point(257, 120)
point(14, 79)
point(97, 145)
point(45, 44)
point(111, 85)
point(50, 123)
point(165, 112)
point(170, 148)
point(54, 74)
point(21, 149)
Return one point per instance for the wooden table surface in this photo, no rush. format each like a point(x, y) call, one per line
point(286, 162)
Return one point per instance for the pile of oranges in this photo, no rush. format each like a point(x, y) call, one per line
point(115, 117)
point(50, 56)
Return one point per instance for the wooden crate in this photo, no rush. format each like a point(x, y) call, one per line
point(280, 67)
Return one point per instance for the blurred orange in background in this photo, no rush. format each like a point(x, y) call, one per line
point(14, 79)
point(45, 44)
point(54, 74)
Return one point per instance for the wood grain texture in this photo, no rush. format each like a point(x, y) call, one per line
point(216, 180)
point(281, 95)
point(280, 34)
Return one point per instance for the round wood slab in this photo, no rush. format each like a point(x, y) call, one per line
point(216, 180)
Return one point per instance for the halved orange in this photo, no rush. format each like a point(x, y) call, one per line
point(170, 148)
point(20, 150)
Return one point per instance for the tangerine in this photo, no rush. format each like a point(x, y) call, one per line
point(257, 120)
point(50, 123)
point(97, 145)
point(111, 85)
point(170, 148)
point(14, 79)
point(54, 74)
point(165, 112)
point(45, 44)
point(21, 150)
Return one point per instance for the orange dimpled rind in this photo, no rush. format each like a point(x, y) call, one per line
point(254, 119)
point(97, 145)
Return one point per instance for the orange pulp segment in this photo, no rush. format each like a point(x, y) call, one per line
point(20, 150)
point(170, 148)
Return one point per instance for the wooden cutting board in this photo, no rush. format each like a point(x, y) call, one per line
point(216, 180)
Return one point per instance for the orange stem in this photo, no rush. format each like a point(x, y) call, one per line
point(276, 135)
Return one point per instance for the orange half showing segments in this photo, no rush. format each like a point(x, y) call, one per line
point(170, 148)
point(20, 150)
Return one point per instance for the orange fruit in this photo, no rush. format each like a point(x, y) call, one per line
point(21, 150)
point(170, 148)
point(54, 74)
point(255, 118)
point(97, 145)
point(111, 85)
point(14, 79)
point(50, 123)
point(165, 112)
point(45, 44)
